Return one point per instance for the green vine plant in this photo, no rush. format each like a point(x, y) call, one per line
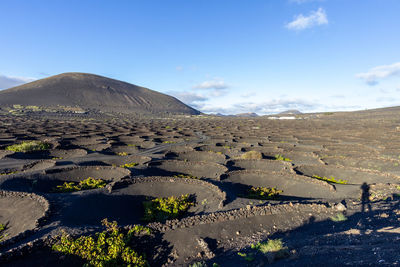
point(188, 176)
point(129, 165)
point(330, 180)
point(264, 193)
point(282, 158)
point(8, 173)
point(29, 146)
point(275, 246)
point(3, 228)
point(88, 183)
point(161, 209)
point(112, 247)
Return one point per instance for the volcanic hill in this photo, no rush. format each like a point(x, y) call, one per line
point(89, 91)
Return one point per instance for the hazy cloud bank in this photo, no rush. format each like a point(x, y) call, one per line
point(374, 75)
point(9, 81)
point(265, 107)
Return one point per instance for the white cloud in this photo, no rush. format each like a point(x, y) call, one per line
point(192, 99)
point(373, 76)
point(9, 81)
point(216, 83)
point(188, 97)
point(301, 22)
point(248, 94)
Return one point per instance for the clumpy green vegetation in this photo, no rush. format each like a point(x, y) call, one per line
point(188, 176)
point(122, 153)
point(128, 165)
point(17, 106)
point(251, 155)
point(111, 247)
point(8, 173)
point(280, 157)
point(3, 227)
point(340, 217)
point(272, 246)
point(246, 256)
point(89, 183)
point(330, 180)
point(169, 142)
point(161, 209)
point(29, 146)
point(137, 228)
point(263, 193)
point(198, 264)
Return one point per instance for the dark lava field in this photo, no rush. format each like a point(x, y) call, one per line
point(338, 176)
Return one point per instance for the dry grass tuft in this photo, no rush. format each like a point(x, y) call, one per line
point(252, 155)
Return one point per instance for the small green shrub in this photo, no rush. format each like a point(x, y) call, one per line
point(122, 153)
point(128, 165)
point(340, 217)
point(203, 264)
point(8, 173)
point(252, 155)
point(263, 193)
point(247, 256)
point(137, 228)
point(188, 176)
point(169, 142)
point(3, 227)
point(274, 246)
point(29, 146)
point(161, 209)
point(331, 179)
point(198, 264)
point(88, 183)
point(282, 158)
point(111, 247)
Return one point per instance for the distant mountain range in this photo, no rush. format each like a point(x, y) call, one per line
point(247, 115)
point(290, 112)
point(89, 91)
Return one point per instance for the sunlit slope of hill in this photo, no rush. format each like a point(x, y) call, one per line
point(89, 91)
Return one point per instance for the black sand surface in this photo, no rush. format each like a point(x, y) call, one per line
point(20, 213)
point(205, 157)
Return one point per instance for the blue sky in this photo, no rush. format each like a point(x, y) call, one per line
point(225, 56)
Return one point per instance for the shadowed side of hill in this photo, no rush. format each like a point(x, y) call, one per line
point(89, 91)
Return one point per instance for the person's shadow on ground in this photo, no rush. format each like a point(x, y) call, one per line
point(365, 197)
